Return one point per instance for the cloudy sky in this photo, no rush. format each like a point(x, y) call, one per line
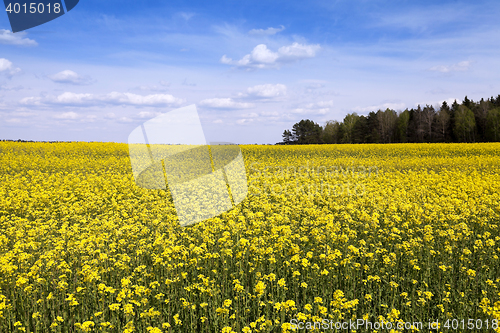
point(252, 68)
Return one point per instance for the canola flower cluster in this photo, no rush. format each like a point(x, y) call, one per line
point(84, 249)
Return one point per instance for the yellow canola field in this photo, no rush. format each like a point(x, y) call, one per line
point(384, 233)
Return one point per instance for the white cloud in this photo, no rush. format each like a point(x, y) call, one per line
point(262, 57)
point(320, 104)
point(260, 54)
point(298, 51)
point(321, 107)
point(125, 120)
point(267, 90)
point(310, 111)
point(7, 69)
point(114, 98)
point(7, 37)
point(383, 107)
point(147, 114)
point(437, 104)
point(224, 103)
point(148, 100)
point(269, 114)
point(266, 32)
point(14, 120)
point(71, 98)
point(226, 60)
point(244, 121)
point(459, 67)
point(67, 116)
point(68, 76)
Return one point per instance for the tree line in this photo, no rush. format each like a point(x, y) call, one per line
point(467, 121)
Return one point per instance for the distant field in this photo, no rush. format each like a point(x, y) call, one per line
point(385, 233)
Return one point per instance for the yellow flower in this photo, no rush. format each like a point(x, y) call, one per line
point(129, 309)
point(114, 306)
point(77, 210)
point(259, 288)
point(177, 320)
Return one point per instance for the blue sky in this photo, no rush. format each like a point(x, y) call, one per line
point(253, 69)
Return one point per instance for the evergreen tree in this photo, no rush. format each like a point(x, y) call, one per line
point(288, 137)
point(416, 127)
point(360, 130)
point(372, 128)
point(453, 110)
point(480, 111)
point(307, 132)
point(496, 101)
point(466, 122)
point(467, 103)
